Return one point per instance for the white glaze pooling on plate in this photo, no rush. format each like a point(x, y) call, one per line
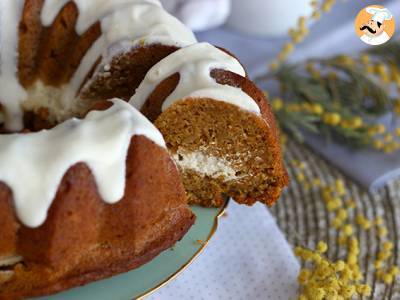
point(194, 64)
point(124, 24)
point(33, 164)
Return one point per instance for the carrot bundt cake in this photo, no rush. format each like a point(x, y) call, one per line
point(217, 124)
point(83, 196)
point(58, 56)
point(89, 187)
point(86, 200)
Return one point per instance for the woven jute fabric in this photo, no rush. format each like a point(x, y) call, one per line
point(302, 215)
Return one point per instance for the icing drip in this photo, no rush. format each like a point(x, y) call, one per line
point(90, 11)
point(124, 23)
point(144, 24)
point(33, 164)
point(11, 92)
point(194, 64)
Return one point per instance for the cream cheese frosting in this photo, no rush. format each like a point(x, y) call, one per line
point(124, 24)
point(33, 164)
point(194, 63)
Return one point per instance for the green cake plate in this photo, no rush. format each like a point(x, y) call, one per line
point(143, 281)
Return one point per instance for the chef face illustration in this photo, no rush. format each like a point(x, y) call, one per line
point(373, 30)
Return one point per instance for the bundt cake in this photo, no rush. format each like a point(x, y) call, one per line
point(88, 186)
point(83, 195)
point(85, 200)
point(58, 56)
point(217, 124)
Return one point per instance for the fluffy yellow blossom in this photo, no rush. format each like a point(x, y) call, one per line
point(391, 147)
point(394, 270)
point(378, 144)
point(396, 105)
point(388, 137)
point(387, 246)
point(378, 264)
point(339, 265)
point(317, 109)
point(362, 221)
point(322, 247)
point(316, 182)
point(288, 48)
point(378, 221)
point(337, 223)
point(334, 204)
point(348, 291)
point(327, 6)
point(301, 165)
point(302, 22)
point(316, 15)
point(365, 59)
point(342, 240)
point(346, 60)
point(352, 259)
point(397, 132)
point(382, 231)
point(332, 119)
point(277, 104)
point(356, 122)
point(274, 66)
point(378, 129)
point(366, 224)
point(342, 214)
point(300, 177)
point(350, 203)
point(304, 275)
point(310, 68)
point(382, 255)
point(388, 278)
point(347, 230)
point(326, 279)
point(380, 70)
point(340, 187)
point(364, 290)
point(369, 69)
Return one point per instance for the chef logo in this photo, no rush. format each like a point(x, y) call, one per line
point(375, 25)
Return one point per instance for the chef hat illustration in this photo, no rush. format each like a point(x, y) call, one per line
point(379, 14)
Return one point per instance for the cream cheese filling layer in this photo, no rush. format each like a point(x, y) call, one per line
point(205, 164)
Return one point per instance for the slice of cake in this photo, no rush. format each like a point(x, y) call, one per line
point(217, 124)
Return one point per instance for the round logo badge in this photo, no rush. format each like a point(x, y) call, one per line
point(374, 25)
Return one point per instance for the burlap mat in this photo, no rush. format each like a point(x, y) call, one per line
point(303, 217)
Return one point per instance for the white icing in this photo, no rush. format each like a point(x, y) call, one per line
point(90, 11)
point(124, 24)
point(41, 95)
point(143, 24)
point(205, 164)
point(11, 92)
point(87, 62)
point(33, 164)
point(194, 64)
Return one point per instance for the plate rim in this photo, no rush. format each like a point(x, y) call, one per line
point(189, 262)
